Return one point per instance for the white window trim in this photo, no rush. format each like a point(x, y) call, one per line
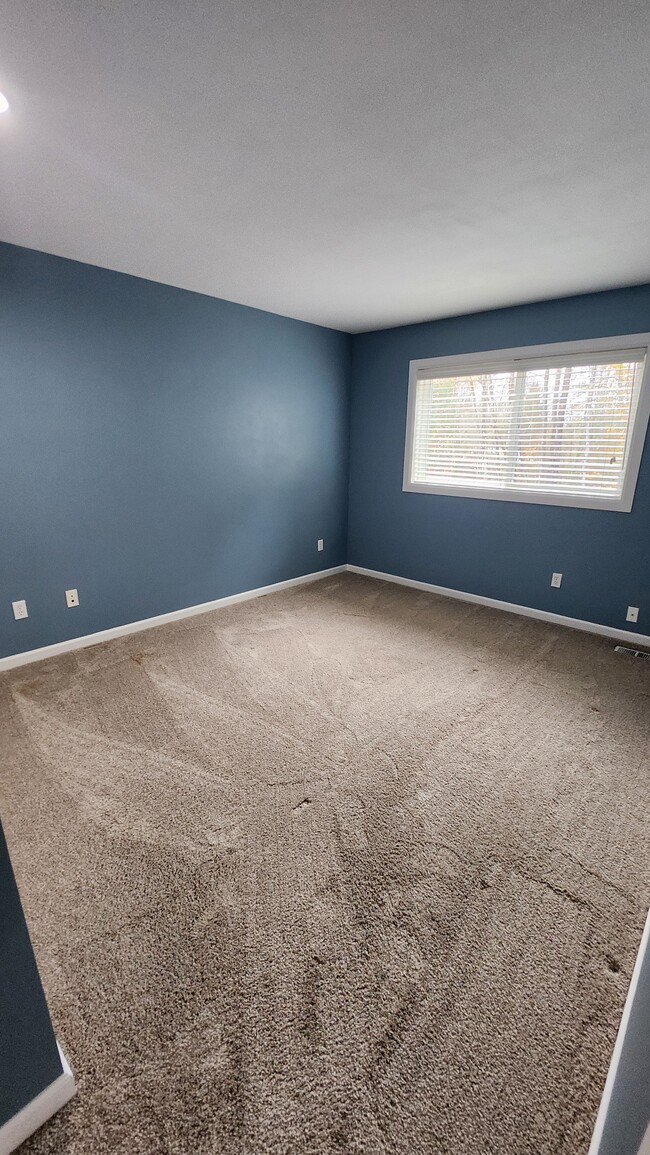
point(490, 361)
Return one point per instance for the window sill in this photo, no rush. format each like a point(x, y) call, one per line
point(530, 497)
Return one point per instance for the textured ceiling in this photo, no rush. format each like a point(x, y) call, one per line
point(358, 163)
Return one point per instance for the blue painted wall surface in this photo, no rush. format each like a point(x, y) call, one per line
point(498, 549)
point(158, 448)
point(29, 1057)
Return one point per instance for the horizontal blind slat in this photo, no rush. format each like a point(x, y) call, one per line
point(568, 433)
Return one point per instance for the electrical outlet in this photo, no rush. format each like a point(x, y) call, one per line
point(20, 609)
point(556, 581)
point(320, 543)
point(71, 598)
point(632, 614)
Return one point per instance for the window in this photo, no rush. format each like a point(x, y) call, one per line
point(554, 424)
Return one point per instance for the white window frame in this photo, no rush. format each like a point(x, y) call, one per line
point(507, 360)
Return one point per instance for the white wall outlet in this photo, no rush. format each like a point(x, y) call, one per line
point(632, 614)
point(20, 609)
point(320, 543)
point(556, 581)
point(71, 598)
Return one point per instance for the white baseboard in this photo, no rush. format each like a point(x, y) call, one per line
point(619, 1044)
point(17, 1129)
point(38, 655)
point(27, 656)
point(509, 607)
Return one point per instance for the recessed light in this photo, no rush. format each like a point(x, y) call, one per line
point(4, 103)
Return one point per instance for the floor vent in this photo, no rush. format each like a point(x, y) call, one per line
point(633, 653)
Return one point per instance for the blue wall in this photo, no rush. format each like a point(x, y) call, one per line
point(29, 1057)
point(498, 549)
point(158, 448)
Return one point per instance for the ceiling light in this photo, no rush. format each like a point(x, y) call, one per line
point(4, 103)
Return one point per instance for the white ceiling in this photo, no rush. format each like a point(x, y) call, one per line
point(358, 163)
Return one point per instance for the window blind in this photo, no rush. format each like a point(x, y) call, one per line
point(554, 425)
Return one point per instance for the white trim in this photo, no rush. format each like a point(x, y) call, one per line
point(510, 359)
point(27, 656)
point(619, 1044)
point(644, 1149)
point(627, 342)
point(529, 496)
point(509, 607)
point(39, 1110)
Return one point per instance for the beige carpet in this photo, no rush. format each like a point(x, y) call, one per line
point(350, 868)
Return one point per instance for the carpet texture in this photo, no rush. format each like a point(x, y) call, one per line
point(349, 868)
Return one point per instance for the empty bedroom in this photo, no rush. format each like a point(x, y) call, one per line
point(324, 577)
